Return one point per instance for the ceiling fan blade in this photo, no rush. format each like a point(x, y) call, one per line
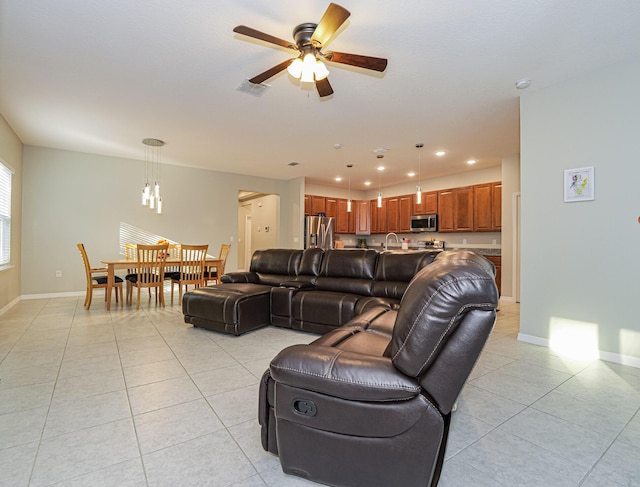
point(367, 62)
point(324, 87)
point(256, 34)
point(333, 18)
point(256, 80)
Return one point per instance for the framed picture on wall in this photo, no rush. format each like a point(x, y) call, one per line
point(579, 184)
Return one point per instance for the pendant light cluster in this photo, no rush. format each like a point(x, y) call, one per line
point(419, 146)
point(380, 169)
point(151, 197)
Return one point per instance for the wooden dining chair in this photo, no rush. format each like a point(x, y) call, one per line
point(150, 263)
point(192, 263)
point(97, 279)
point(215, 273)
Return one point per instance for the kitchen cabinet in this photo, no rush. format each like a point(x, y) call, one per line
point(404, 212)
point(331, 207)
point(428, 206)
point(487, 201)
point(455, 209)
point(497, 261)
point(317, 204)
point(464, 209)
point(446, 215)
point(378, 217)
point(393, 213)
point(363, 217)
point(307, 205)
point(342, 217)
point(497, 207)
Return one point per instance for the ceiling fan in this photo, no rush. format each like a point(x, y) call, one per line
point(309, 40)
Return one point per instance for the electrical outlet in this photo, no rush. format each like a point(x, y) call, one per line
point(464, 241)
point(231, 239)
point(494, 241)
point(58, 273)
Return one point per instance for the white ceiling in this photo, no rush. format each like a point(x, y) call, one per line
point(99, 76)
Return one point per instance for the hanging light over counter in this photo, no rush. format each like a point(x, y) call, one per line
point(419, 146)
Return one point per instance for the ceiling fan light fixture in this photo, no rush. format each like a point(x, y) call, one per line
point(321, 71)
point(295, 68)
point(308, 68)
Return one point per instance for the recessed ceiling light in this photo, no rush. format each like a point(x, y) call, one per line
point(411, 174)
point(471, 161)
point(380, 168)
point(523, 83)
point(338, 179)
point(440, 153)
point(367, 183)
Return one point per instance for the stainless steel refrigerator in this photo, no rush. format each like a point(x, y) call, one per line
point(319, 232)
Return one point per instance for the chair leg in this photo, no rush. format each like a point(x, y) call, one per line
point(138, 302)
point(89, 297)
point(161, 291)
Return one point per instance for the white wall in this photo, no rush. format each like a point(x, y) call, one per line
point(72, 197)
point(580, 261)
point(11, 155)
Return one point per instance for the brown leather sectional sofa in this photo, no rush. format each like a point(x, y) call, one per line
point(312, 290)
point(369, 402)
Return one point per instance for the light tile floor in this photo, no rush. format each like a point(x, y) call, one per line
point(127, 398)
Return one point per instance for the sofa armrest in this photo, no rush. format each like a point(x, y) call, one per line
point(240, 277)
point(297, 285)
point(344, 374)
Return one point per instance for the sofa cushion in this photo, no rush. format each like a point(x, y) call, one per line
point(348, 271)
point(275, 265)
point(395, 270)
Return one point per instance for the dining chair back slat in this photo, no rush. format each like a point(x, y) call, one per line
point(150, 268)
point(96, 279)
point(192, 265)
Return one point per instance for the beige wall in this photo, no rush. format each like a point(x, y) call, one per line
point(11, 155)
point(72, 197)
point(580, 261)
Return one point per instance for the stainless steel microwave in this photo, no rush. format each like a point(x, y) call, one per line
point(424, 223)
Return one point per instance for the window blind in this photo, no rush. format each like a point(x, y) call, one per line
point(5, 214)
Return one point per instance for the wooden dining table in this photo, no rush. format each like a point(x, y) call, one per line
point(113, 265)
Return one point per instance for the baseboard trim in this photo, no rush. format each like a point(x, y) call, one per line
point(70, 294)
point(9, 305)
point(617, 358)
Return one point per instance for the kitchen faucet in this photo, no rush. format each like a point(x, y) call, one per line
point(386, 240)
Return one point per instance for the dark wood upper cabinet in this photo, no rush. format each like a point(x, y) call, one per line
point(393, 214)
point(404, 213)
point(363, 217)
point(446, 208)
point(487, 203)
point(464, 209)
point(342, 217)
point(497, 206)
point(317, 204)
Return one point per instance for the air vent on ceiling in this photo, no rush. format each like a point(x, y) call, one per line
point(252, 89)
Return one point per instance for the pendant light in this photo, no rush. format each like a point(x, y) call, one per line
point(152, 160)
point(380, 169)
point(349, 166)
point(419, 146)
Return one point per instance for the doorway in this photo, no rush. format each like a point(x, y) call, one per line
point(258, 224)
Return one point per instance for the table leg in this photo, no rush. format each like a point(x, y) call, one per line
point(110, 280)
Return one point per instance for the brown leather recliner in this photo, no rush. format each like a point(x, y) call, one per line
point(369, 403)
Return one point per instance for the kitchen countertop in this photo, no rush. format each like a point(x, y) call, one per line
point(480, 250)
